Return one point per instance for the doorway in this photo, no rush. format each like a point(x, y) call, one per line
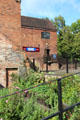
point(9, 72)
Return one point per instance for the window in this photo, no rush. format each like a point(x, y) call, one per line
point(18, 0)
point(45, 35)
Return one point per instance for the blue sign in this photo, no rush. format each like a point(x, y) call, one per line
point(54, 56)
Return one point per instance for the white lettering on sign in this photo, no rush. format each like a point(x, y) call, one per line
point(30, 49)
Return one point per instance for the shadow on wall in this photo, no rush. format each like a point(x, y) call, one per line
point(1, 86)
point(32, 64)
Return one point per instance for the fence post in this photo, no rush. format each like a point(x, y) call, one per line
point(34, 63)
point(60, 107)
point(67, 67)
point(47, 66)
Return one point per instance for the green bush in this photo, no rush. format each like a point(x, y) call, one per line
point(19, 107)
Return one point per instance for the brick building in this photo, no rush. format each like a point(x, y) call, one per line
point(40, 33)
point(17, 32)
point(11, 59)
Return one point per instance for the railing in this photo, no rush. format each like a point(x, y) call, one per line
point(60, 107)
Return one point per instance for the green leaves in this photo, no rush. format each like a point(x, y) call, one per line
point(76, 45)
point(75, 27)
point(68, 44)
point(59, 22)
point(65, 40)
point(19, 107)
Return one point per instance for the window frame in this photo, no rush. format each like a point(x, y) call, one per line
point(45, 35)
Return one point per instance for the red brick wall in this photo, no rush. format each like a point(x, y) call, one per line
point(10, 23)
point(32, 38)
point(10, 37)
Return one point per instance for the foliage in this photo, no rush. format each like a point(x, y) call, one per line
point(68, 38)
point(20, 107)
point(64, 42)
point(75, 27)
point(65, 37)
point(76, 46)
point(76, 115)
point(59, 22)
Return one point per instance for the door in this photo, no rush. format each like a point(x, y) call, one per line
point(9, 72)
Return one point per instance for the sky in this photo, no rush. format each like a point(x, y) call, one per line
point(70, 10)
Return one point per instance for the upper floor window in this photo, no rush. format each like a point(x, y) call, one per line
point(45, 35)
point(18, 0)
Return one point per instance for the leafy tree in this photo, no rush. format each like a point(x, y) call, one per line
point(75, 27)
point(76, 46)
point(59, 22)
point(67, 42)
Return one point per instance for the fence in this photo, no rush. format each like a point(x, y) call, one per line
point(60, 107)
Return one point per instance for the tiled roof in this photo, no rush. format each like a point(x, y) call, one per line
point(37, 23)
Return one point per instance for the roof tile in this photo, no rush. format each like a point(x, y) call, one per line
point(37, 23)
